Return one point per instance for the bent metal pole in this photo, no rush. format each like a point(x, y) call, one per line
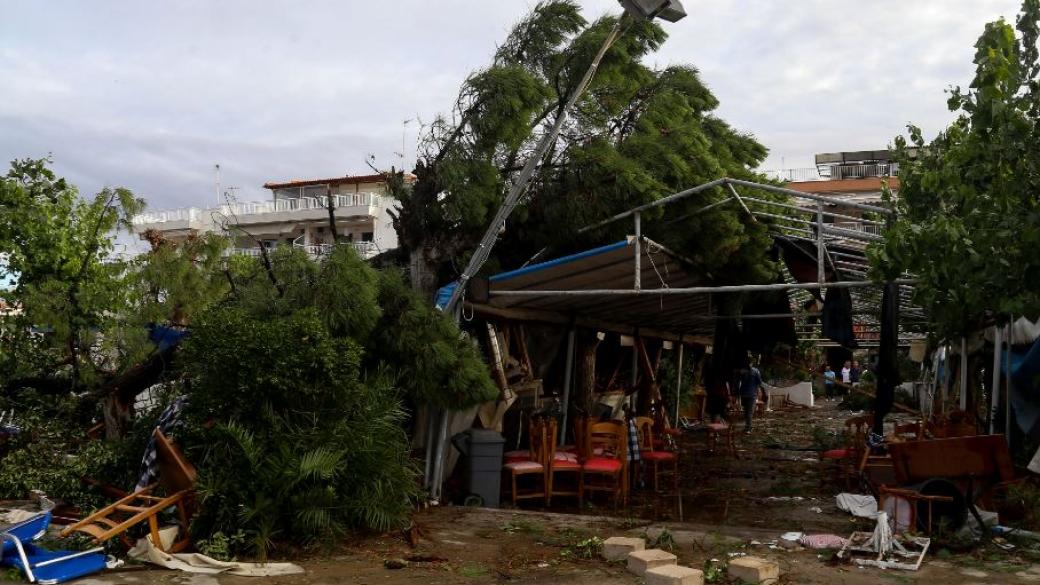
point(480, 255)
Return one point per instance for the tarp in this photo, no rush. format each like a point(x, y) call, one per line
point(610, 267)
point(1025, 394)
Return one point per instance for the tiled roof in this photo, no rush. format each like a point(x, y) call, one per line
point(347, 180)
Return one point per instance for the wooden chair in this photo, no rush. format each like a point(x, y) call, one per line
point(656, 458)
point(561, 465)
point(536, 466)
point(721, 431)
point(176, 477)
point(606, 468)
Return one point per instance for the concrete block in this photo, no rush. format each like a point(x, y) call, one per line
point(642, 560)
point(617, 548)
point(674, 575)
point(754, 570)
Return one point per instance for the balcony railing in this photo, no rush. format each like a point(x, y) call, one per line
point(363, 249)
point(257, 208)
point(833, 172)
point(857, 226)
point(186, 213)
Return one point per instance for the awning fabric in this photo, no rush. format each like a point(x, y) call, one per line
point(610, 267)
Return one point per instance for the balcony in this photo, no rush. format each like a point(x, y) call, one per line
point(364, 250)
point(834, 172)
point(259, 212)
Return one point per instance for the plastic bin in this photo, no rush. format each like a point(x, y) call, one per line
point(482, 451)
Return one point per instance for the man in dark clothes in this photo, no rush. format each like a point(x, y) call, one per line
point(750, 385)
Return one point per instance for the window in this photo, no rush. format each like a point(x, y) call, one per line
point(366, 236)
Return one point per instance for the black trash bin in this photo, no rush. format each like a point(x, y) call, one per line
point(482, 452)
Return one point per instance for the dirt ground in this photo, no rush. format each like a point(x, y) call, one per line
point(730, 506)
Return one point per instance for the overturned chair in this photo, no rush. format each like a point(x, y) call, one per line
point(176, 477)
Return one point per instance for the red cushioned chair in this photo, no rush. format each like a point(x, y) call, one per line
point(659, 462)
point(561, 465)
point(605, 469)
point(535, 467)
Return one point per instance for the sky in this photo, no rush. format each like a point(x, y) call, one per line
point(152, 95)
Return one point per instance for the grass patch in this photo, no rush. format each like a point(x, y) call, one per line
point(588, 548)
point(473, 570)
point(664, 540)
point(520, 525)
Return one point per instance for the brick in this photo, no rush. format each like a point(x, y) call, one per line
point(642, 560)
point(617, 548)
point(754, 570)
point(674, 575)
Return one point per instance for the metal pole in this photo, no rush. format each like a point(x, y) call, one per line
point(678, 382)
point(637, 284)
point(438, 458)
point(821, 274)
point(431, 421)
point(692, 290)
point(635, 372)
point(1007, 384)
point(568, 376)
point(964, 373)
point(480, 255)
point(994, 395)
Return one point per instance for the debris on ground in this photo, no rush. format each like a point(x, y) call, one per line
point(884, 550)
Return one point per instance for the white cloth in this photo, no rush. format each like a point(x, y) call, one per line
point(846, 375)
point(863, 506)
point(1034, 463)
point(145, 551)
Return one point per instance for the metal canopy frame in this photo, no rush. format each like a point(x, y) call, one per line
point(841, 249)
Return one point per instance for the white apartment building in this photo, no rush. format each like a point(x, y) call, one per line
point(296, 215)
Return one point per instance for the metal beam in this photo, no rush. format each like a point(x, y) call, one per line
point(812, 196)
point(810, 211)
point(691, 290)
point(665, 201)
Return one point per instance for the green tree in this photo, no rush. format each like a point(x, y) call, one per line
point(59, 246)
point(637, 134)
point(297, 386)
point(968, 221)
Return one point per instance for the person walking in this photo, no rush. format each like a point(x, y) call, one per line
point(750, 386)
point(828, 381)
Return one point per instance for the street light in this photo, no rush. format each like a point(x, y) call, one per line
point(670, 10)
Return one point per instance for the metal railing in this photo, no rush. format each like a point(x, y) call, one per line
point(258, 207)
point(833, 172)
point(184, 213)
point(858, 226)
point(363, 249)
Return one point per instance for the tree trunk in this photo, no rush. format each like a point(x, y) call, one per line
point(585, 389)
point(117, 415)
point(422, 272)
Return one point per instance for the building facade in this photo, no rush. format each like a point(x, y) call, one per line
point(297, 214)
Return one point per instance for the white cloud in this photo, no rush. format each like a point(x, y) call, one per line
point(151, 95)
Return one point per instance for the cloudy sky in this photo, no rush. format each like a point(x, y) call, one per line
point(151, 95)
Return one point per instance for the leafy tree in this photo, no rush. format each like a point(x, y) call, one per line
point(57, 245)
point(296, 388)
point(637, 134)
point(968, 213)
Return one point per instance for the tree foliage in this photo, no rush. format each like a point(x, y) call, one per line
point(296, 388)
point(968, 213)
point(637, 134)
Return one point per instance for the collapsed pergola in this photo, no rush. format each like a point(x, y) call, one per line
point(639, 285)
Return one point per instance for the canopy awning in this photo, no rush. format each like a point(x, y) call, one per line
point(611, 267)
